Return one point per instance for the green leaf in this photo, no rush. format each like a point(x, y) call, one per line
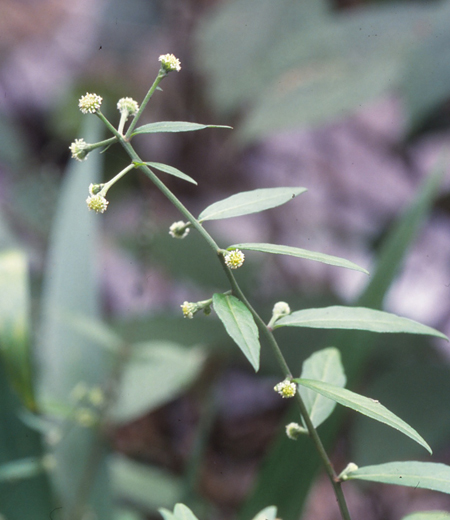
point(355, 318)
point(370, 407)
point(66, 355)
point(240, 325)
point(268, 513)
point(145, 485)
point(325, 366)
point(300, 253)
point(170, 170)
point(248, 202)
point(182, 512)
point(156, 373)
point(173, 126)
point(424, 475)
point(166, 514)
point(14, 310)
point(21, 469)
point(428, 515)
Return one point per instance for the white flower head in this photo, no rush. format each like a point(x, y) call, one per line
point(234, 259)
point(128, 105)
point(350, 468)
point(90, 103)
point(79, 149)
point(189, 309)
point(179, 229)
point(286, 388)
point(98, 203)
point(169, 63)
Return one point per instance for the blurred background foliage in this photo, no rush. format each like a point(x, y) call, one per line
point(109, 399)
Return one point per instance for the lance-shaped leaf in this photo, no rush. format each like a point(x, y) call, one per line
point(357, 318)
point(428, 515)
point(301, 253)
point(240, 325)
point(180, 512)
point(173, 126)
point(426, 475)
point(248, 202)
point(370, 407)
point(167, 169)
point(326, 366)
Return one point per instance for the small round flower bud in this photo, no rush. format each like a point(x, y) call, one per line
point(98, 203)
point(281, 309)
point(294, 430)
point(351, 466)
point(95, 188)
point(169, 63)
point(189, 309)
point(90, 103)
point(286, 388)
point(179, 229)
point(234, 259)
point(79, 149)
point(128, 105)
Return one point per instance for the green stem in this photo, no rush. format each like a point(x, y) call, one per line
point(159, 77)
point(262, 326)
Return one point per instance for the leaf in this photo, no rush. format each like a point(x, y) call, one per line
point(66, 355)
point(300, 253)
point(145, 485)
point(172, 126)
point(424, 475)
point(156, 373)
point(248, 202)
point(169, 169)
point(21, 469)
point(14, 326)
point(355, 318)
point(428, 515)
point(325, 366)
point(182, 512)
point(268, 513)
point(240, 325)
point(370, 407)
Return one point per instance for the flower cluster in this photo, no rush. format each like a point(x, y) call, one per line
point(79, 149)
point(90, 103)
point(286, 388)
point(169, 63)
point(281, 309)
point(179, 229)
point(128, 105)
point(98, 203)
point(189, 309)
point(234, 259)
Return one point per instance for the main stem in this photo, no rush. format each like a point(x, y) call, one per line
point(262, 326)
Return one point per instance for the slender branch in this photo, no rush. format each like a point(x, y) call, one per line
point(159, 77)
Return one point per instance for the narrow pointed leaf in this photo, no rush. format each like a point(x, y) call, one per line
point(425, 475)
point(428, 515)
point(326, 366)
point(182, 512)
point(268, 513)
point(240, 325)
point(172, 126)
point(357, 318)
point(248, 202)
point(370, 407)
point(170, 170)
point(300, 253)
